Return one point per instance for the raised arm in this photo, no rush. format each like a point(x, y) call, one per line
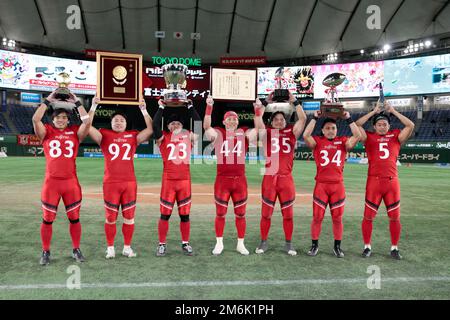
point(408, 130)
point(361, 121)
point(38, 125)
point(356, 133)
point(307, 135)
point(211, 133)
point(145, 134)
point(83, 131)
point(301, 115)
point(157, 126)
point(195, 117)
point(93, 132)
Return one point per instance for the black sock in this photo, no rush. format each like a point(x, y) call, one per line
point(337, 243)
point(315, 242)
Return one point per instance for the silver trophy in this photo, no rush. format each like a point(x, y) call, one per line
point(280, 96)
point(332, 107)
point(175, 78)
point(62, 94)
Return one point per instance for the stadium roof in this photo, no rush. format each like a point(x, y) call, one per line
point(279, 29)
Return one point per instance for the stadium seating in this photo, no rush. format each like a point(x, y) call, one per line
point(435, 125)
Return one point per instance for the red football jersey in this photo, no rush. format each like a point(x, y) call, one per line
point(231, 149)
point(176, 153)
point(382, 152)
point(279, 149)
point(61, 149)
point(330, 158)
point(118, 150)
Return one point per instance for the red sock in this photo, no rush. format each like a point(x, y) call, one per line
point(163, 228)
point(395, 227)
point(46, 236)
point(219, 225)
point(367, 230)
point(288, 227)
point(110, 232)
point(240, 226)
point(185, 228)
point(338, 229)
point(265, 226)
point(127, 230)
point(75, 234)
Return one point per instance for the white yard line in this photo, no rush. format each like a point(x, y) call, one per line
point(411, 280)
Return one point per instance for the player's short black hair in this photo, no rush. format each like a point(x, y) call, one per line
point(328, 120)
point(273, 115)
point(175, 117)
point(57, 112)
point(381, 116)
point(119, 113)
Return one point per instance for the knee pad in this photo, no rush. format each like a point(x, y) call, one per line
point(128, 214)
point(221, 210)
point(110, 216)
point(165, 217)
point(394, 215)
point(48, 217)
point(184, 217)
point(74, 215)
point(266, 211)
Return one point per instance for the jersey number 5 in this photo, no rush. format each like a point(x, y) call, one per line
point(385, 150)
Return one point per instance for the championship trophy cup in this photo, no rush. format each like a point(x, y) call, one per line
point(62, 93)
point(175, 78)
point(280, 97)
point(331, 107)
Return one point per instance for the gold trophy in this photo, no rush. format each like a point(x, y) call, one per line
point(280, 96)
point(62, 93)
point(175, 78)
point(331, 107)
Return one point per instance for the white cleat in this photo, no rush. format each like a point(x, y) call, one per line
point(242, 250)
point(292, 252)
point(110, 253)
point(218, 249)
point(128, 252)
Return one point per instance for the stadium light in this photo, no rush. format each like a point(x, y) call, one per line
point(427, 43)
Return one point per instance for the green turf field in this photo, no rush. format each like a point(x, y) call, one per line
point(424, 273)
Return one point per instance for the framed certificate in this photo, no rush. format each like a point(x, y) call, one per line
point(119, 78)
point(233, 84)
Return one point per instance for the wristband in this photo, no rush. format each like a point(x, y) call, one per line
point(144, 112)
point(77, 103)
point(86, 116)
point(259, 112)
point(296, 103)
point(209, 109)
point(349, 120)
point(46, 102)
point(316, 118)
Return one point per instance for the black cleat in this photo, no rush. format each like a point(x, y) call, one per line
point(314, 250)
point(77, 255)
point(263, 246)
point(45, 258)
point(187, 249)
point(338, 252)
point(366, 253)
point(395, 254)
point(161, 250)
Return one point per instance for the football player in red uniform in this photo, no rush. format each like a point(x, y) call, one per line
point(175, 146)
point(119, 182)
point(383, 147)
point(330, 152)
point(60, 141)
point(231, 146)
point(279, 141)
